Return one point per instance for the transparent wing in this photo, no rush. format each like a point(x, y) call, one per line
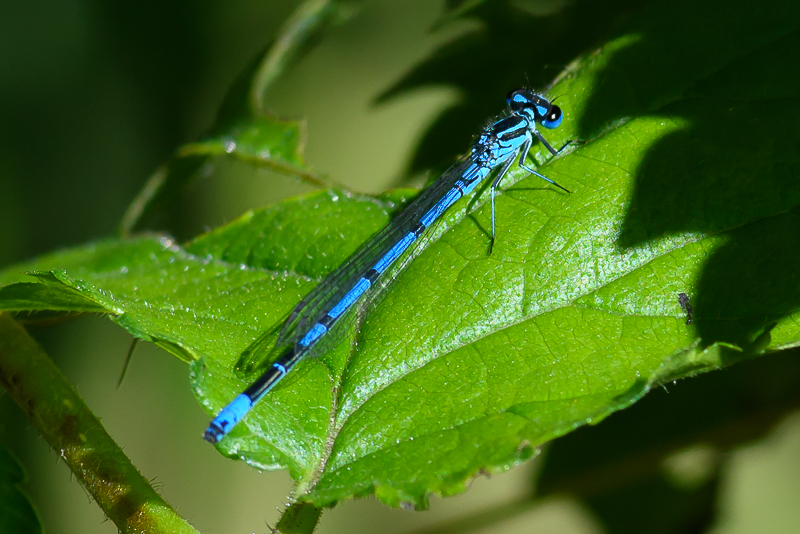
point(330, 291)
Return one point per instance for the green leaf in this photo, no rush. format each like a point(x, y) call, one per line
point(244, 129)
point(16, 512)
point(296, 38)
point(258, 140)
point(526, 42)
point(686, 182)
point(211, 297)
point(720, 410)
point(157, 291)
point(618, 468)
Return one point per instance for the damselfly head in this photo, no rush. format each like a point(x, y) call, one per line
point(536, 107)
point(519, 99)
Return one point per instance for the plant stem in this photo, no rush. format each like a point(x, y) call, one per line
point(299, 518)
point(72, 430)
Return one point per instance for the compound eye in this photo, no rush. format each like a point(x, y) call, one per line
point(553, 118)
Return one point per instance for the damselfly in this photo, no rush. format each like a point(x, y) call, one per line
point(361, 278)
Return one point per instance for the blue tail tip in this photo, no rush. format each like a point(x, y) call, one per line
point(213, 433)
point(228, 418)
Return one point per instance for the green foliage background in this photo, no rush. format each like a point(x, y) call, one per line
point(698, 228)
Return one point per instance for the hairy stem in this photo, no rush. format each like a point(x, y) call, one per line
point(63, 419)
point(299, 518)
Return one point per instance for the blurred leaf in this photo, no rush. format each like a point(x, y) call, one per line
point(258, 140)
point(473, 360)
point(515, 44)
point(618, 467)
point(298, 35)
point(16, 512)
point(657, 507)
point(244, 129)
point(722, 410)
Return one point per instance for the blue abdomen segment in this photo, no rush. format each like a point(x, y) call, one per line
point(313, 335)
point(241, 405)
point(227, 418)
point(361, 286)
point(395, 252)
point(435, 212)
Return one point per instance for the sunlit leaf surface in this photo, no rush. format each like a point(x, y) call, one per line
point(686, 181)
